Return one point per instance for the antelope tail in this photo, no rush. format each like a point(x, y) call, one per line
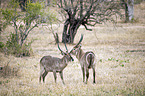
point(90, 59)
point(90, 64)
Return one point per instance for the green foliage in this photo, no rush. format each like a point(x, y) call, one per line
point(33, 11)
point(23, 23)
point(1, 45)
point(14, 4)
point(13, 47)
point(134, 20)
point(6, 19)
point(8, 13)
point(121, 62)
point(100, 60)
point(4, 82)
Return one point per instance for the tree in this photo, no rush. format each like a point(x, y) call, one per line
point(23, 23)
point(86, 13)
point(129, 9)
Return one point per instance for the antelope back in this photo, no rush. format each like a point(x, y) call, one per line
point(50, 62)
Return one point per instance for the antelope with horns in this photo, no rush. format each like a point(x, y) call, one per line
point(86, 59)
point(54, 64)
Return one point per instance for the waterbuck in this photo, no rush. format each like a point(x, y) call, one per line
point(54, 64)
point(86, 59)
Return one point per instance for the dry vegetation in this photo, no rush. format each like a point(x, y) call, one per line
point(120, 66)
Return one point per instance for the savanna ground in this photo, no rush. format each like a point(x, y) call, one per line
point(120, 62)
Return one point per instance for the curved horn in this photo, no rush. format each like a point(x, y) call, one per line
point(58, 43)
point(66, 48)
point(57, 40)
point(80, 40)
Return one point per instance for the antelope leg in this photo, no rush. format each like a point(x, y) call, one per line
point(87, 75)
point(83, 74)
point(54, 73)
point(44, 75)
point(61, 75)
point(94, 75)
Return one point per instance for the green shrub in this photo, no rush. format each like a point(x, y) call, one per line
point(1, 45)
point(23, 23)
point(13, 47)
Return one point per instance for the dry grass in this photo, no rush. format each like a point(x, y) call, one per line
point(118, 71)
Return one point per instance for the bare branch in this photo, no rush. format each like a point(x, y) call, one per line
point(87, 13)
point(87, 28)
point(81, 8)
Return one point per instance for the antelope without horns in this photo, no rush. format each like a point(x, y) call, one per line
point(86, 59)
point(54, 64)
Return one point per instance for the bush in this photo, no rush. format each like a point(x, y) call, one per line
point(23, 23)
point(1, 45)
point(13, 47)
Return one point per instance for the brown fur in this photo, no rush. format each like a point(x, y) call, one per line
point(53, 64)
point(87, 61)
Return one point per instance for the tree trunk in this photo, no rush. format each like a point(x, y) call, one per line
point(126, 12)
point(70, 30)
point(129, 9)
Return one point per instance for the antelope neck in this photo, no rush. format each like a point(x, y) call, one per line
point(64, 59)
point(79, 54)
